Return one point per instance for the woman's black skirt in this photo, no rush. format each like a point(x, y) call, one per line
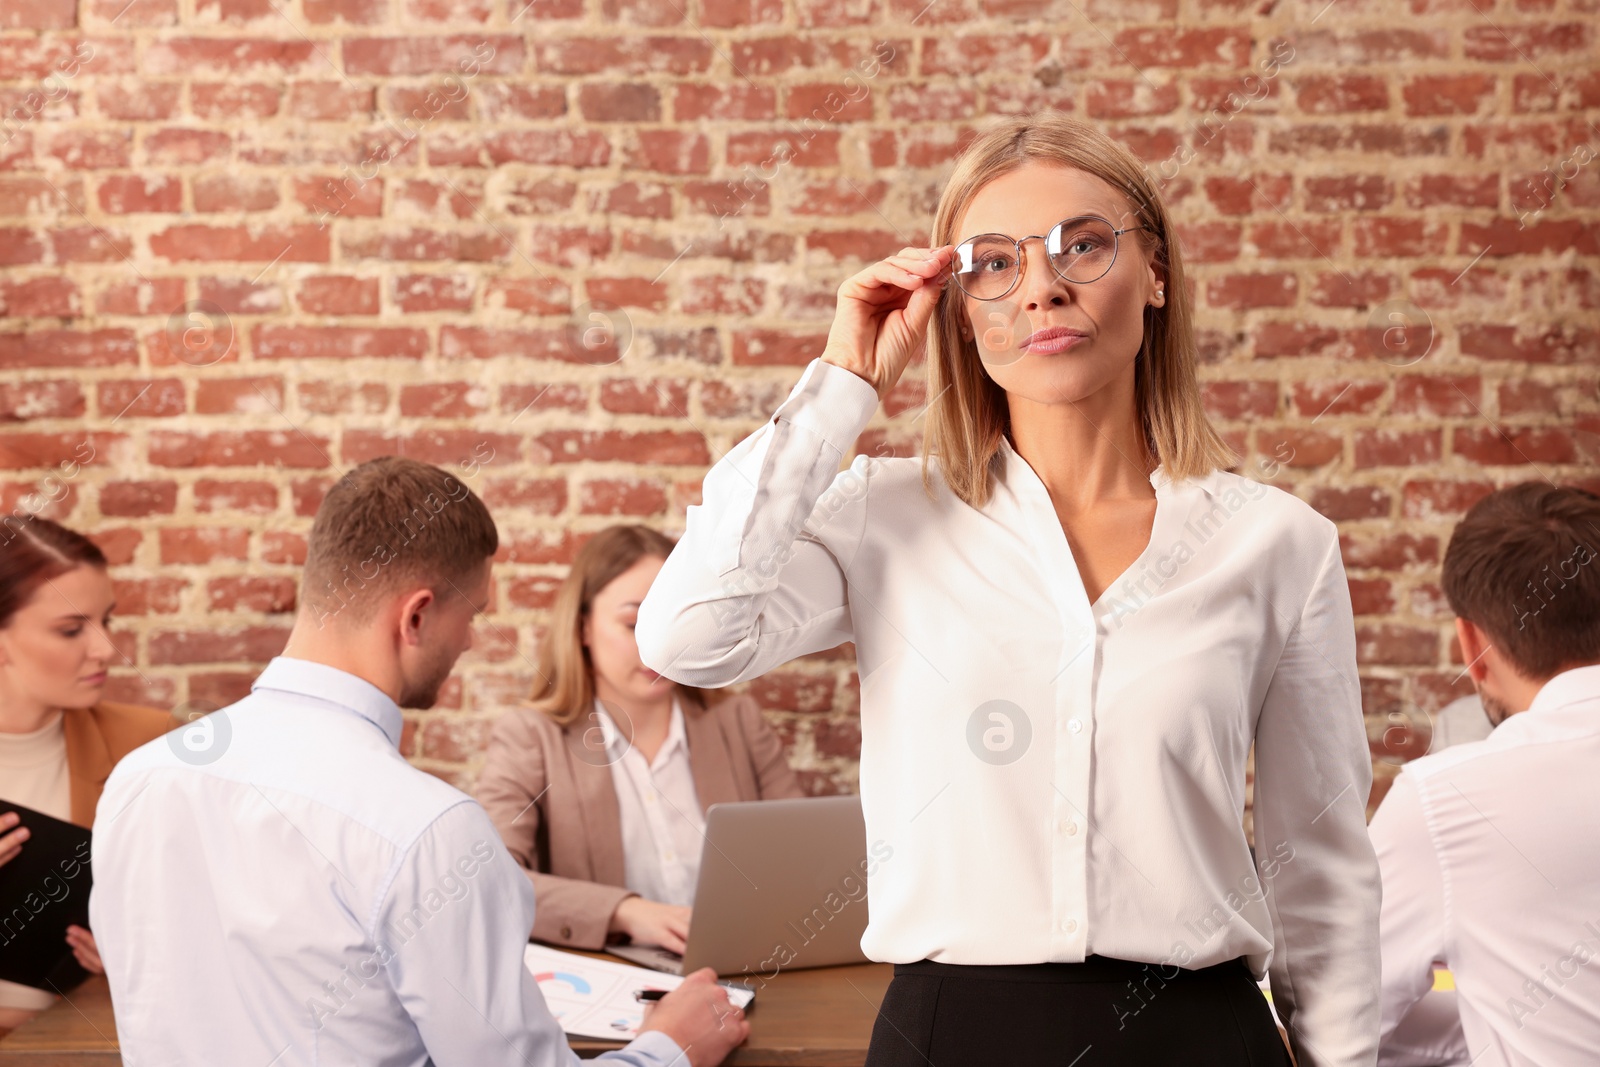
point(1102, 1012)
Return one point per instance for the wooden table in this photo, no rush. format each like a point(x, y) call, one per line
point(813, 1018)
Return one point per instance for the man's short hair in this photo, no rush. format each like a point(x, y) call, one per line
point(1521, 565)
point(390, 523)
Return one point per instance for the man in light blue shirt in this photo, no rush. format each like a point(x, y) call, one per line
point(275, 884)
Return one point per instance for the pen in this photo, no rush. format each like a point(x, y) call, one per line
point(648, 994)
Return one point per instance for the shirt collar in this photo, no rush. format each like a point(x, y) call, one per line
point(1569, 687)
point(285, 674)
point(616, 745)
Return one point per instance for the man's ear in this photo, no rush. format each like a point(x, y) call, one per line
point(1474, 645)
point(414, 610)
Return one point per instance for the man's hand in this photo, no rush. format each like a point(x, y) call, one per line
point(698, 1016)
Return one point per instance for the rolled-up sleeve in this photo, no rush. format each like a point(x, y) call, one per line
point(1313, 775)
point(760, 575)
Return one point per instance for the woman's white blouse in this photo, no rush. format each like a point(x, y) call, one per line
point(1054, 778)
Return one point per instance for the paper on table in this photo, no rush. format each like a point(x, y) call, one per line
point(594, 998)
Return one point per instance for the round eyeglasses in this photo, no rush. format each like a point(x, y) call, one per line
point(1080, 250)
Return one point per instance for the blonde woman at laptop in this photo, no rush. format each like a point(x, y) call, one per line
point(1071, 622)
point(600, 784)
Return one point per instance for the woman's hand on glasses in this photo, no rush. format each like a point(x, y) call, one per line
point(882, 314)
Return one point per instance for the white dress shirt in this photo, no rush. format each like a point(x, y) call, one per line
point(1054, 778)
point(662, 824)
point(282, 887)
point(1489, 859)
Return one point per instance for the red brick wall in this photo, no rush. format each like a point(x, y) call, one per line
point(398, 215)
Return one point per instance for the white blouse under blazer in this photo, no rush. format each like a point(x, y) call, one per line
point(1044, 778)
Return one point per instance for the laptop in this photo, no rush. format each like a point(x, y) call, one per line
point(783, 885)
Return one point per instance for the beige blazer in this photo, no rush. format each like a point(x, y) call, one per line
point(96, 739)
point(558, 813)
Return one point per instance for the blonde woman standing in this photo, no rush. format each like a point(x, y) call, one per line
point(600, 784)
point(1071, 624)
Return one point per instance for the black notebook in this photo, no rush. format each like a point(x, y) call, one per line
point(43, 890)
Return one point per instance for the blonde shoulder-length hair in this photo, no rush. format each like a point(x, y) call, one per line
point(565, 691)
point(968, 414)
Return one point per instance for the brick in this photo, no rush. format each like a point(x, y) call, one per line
point(238, 448)
point(234, 192)
point(630, 54)
point(775, 347)
point(252, 644)
point(342, 398)
point(1527, 43)
point(1341, 94)
point(149, 596)
point(537, 296)
point(1439, 500)
point(541, 496)
point(670, 152)
point(391, 56)
point(1231, 401)
point(1397, 448)
point(127, 194)
point(664, 397)
point(39, 15)
point(199, 243)
point(350, 12)
point(141, 297)
point(747, 102)
point(654, 446)
point(444, 400)
point(622, 496)
point(338, 342)
point(68, 348)
point(228, 57)
point(434, 292)
point(619, 102)
point(203, 544)
point(1244, 291)
point(267, 596)
point(330, 101)
point(1447, 94)
point(1510, 446)
point(138, 499)
point(717, 295)
point(212, 495)
point(626, 292)
point(242, 296)
point(1433, 396)
point(233, 100)
point(1315, 399)
point(140, 398)
point(24, 298)
point(338, 294)
point(1354, 192)
point(239, 396)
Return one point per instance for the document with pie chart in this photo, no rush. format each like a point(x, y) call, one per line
point(594, 998)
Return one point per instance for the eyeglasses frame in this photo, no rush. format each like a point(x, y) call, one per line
point(1022, 260)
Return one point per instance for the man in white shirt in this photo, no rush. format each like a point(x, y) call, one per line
point(1487, 849)
point(276, 884)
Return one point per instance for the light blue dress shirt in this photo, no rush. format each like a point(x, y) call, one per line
point(275, 884)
